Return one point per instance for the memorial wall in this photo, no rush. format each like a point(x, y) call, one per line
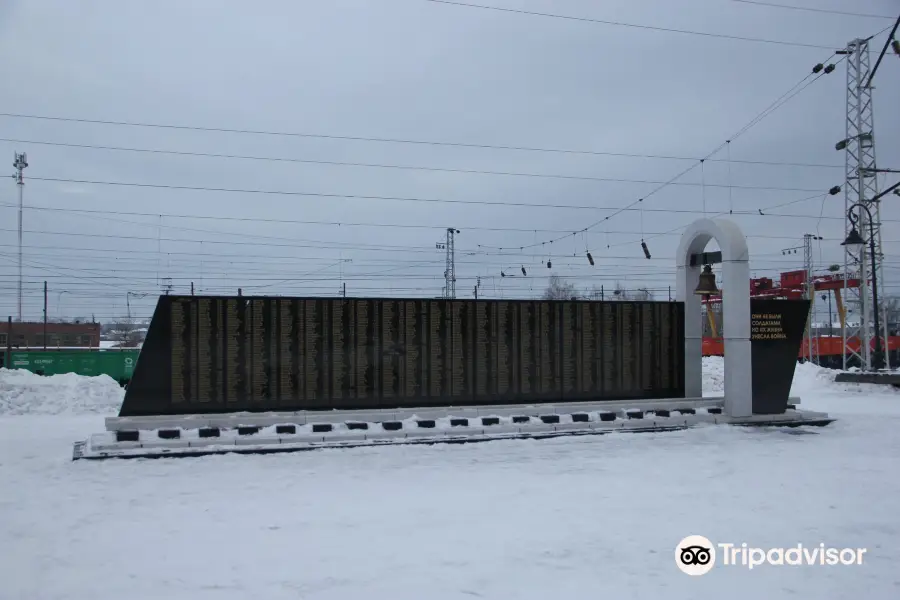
point(227, 354)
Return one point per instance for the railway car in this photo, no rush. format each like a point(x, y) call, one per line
point(117, 363)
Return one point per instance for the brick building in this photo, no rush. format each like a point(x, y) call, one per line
point(59, 335)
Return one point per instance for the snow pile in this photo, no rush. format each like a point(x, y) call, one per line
point(713, 375)
point(808, 379)
point(23, 392)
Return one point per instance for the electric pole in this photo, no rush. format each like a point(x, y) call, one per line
point(20, 161)
point(45, 315)
point(861, 186)
point(448, 246)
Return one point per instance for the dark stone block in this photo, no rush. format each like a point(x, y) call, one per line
point(148, 394)
point(581, 417)
point(521, 419)
point(283, 429)
point(322, 427)
point(687, 411)
point(356, 425)
point(247, 429)
point(426, 423)
point(863, 377)
point(169, 434)
point(607, 416)
point(635, 414)
point(661, 412)
point(490, 420)
point(459, 422)
point(392, 425)
point(550, 418)
point(208, 432)
point(127, 436)
point(714, 410)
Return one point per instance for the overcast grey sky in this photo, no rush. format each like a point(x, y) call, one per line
point(414, 70)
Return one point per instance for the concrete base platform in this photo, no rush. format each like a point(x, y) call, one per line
point(222, 434)
point(868, 377)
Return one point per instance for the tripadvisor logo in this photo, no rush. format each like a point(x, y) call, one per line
point(696, 555)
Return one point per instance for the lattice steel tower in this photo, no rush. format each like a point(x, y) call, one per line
point(860, 186)
point(450, 266)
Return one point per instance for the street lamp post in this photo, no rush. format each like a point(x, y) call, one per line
point(855, 239)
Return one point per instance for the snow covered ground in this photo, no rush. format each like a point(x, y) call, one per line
point(567, 518)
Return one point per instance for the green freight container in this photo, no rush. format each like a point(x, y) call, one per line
point(118, 364)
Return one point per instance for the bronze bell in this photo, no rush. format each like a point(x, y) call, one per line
point(707, 284)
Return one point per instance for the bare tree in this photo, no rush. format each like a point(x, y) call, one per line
point(125, 333)
point(891, 311)
point(595, 293)
point(638, 295)
point(558, 289)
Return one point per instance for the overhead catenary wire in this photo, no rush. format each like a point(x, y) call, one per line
point(411, 249)
point(641, 209)
point(356, 139)
point(629, 25)
point(393, 198)
point(792, 94)
point(763, 212)
point(812, 9)
point(94, 278)
point(74, 253)
point(398, 225)
point(250, 157)
point(778, 103)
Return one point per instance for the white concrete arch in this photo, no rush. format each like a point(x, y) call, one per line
point(735, 306)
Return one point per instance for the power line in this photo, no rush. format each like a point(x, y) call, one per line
point(188, 273)
point(359, 247)
point(778, 103)
point(631, 25)
point(182, 265)
point(770, 109)
point(411, 167)
point(417, 168)
point(810, 9)
point(762, 212)
point(402, 225)
point(68, 250)
point(390, 140)
point(411, 249)
point(367, 196)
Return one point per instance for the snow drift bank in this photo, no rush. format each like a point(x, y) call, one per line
point(23, 392)
point(808, 379)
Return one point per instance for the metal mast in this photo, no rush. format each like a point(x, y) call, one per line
point(20, 161)
point(809, 293)
point(450, 273)
point(860, 186)
point(449, 291)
